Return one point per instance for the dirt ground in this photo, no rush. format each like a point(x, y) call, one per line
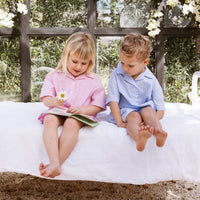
point(14, 186)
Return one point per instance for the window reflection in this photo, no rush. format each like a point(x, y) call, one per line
point(123, 13)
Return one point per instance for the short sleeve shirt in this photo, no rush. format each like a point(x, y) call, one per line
point(144, 91)
point(81, 91)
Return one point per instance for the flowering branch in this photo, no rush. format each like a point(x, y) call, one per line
point(189, 7)
point(7, 15)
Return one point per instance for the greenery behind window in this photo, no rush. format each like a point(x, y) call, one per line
point(181, 56)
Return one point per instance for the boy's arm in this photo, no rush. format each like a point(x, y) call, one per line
point(160, 114)
point(115, 110)
point(158, 99)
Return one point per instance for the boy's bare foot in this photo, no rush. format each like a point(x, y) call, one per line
point(161, 137)
point(143, 135)
point(50, 170)
point(151, 129)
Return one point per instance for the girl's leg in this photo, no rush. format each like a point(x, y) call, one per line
point(139, 133)
point(68, 138)
point(50, 138)
point(149, 117)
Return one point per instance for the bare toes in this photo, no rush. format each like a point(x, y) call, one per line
point(161, 137)
point(143, 136)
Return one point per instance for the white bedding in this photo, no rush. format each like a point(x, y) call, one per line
point(104, 153)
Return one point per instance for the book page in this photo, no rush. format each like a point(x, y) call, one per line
point(83, 118)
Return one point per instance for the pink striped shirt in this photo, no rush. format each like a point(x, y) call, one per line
point(83, 90)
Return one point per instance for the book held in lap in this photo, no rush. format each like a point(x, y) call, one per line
point(83, 118)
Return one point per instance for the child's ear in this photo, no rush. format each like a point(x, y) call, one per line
point(146, 62)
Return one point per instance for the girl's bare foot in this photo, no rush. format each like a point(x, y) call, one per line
point(161, 137)
point(51, 170)
point(143, 135)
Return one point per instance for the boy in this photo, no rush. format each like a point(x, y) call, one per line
point(134, 94)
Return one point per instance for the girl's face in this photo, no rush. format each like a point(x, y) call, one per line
point(77, 66)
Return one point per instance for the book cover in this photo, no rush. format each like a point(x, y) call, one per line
point(83, 118)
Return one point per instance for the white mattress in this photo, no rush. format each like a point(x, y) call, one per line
point(104, 153)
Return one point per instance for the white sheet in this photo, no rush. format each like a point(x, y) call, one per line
point(104, 153)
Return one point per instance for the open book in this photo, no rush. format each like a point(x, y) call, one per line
point(83, 118)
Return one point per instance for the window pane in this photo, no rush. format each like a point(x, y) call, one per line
point(45, 55)
point(107, 57)
point(10, 75)
point(58, 13)
point(181, 61)
point(123, 13)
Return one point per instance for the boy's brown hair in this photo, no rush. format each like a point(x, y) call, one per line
point(136, 45)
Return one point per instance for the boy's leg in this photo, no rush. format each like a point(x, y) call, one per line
point(149, 117)
point(68, 138)
point(50, 138)
point(139, 133)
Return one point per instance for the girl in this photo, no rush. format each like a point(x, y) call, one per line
point(85, 95)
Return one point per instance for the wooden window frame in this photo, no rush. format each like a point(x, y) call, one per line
point(24, 32)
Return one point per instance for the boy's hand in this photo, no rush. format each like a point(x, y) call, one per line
point(122, 124)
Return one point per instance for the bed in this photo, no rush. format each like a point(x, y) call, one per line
point(104, 153)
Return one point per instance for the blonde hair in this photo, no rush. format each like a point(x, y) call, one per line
point(136, 45)
point(80, 44)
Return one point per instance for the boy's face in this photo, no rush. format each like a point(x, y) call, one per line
point(132, 66)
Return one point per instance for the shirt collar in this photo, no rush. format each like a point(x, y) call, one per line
point(147, 73)
point(82, 76)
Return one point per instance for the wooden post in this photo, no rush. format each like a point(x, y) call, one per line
point(25, 55)
point(91, 20)
point(198, 44)
point(159, 60)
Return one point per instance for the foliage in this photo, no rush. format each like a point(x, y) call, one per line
point(51, 13)
point(181, 61)
point(45, 54)
point(9, 69)
point(181, 58)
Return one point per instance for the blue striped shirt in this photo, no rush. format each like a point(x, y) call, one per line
point(144, 91)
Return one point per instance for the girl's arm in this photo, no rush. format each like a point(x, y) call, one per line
point(115, 110)
point(52, 102)
point(87, 110)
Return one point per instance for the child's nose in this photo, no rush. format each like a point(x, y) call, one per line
point(78, 66)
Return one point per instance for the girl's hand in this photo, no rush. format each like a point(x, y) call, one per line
point(59, 102)
point(74, 109)
point(52, 102)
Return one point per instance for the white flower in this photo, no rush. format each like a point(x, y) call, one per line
point(62, 95)
point(2, 14)
point(39, 16)
point(197, 18)
point(22, 8)
point(6, 19)
point(153, 33)
point(176, 20)
point(3, 67)
point(187, 9)
point(153, 24)
point(158, 14)
point(172, 3)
